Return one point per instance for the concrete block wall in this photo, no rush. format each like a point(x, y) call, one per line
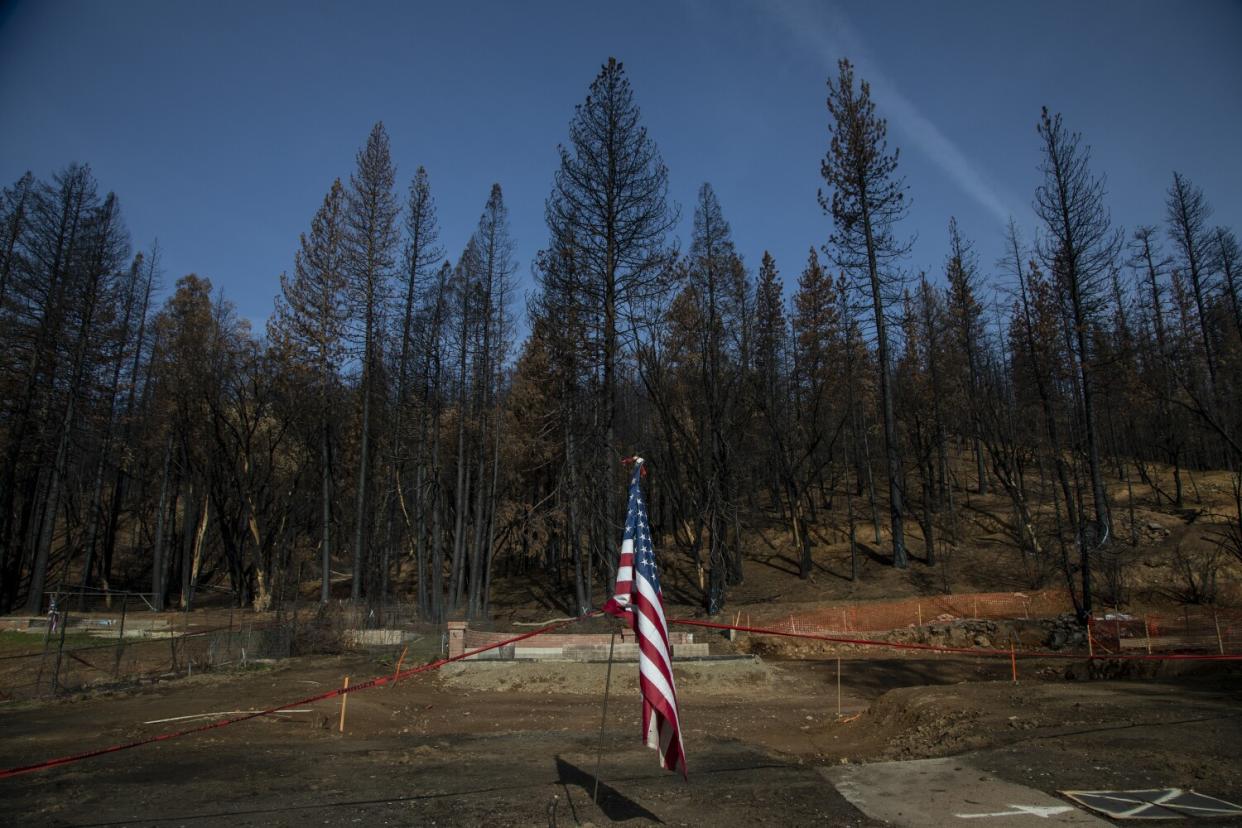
point(566, 646)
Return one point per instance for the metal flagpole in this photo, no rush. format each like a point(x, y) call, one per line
point(599, 754)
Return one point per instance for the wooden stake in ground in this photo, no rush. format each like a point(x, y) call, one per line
point(400, 660)
point(1147, 634)
point(599, 754)
point(1090, 640)
point(1013, 661)
point(1220, 642)
point(344, 699)
point(838, 687)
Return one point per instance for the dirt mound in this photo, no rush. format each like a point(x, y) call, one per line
point(919, 724)
point(1098, 669)
point(733, 677)
point(770, 646)
point(1053, 634)
point(1103, 669)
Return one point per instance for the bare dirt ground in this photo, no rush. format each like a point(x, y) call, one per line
point(510, 743)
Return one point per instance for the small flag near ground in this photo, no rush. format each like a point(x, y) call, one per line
point(637, 599)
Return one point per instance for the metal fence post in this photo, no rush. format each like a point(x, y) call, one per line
point(185, 638)
point(47, 641)
point(60, 649)
point(120, 640)
point(172, 645)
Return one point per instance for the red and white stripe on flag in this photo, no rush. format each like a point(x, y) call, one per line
point(624, 588)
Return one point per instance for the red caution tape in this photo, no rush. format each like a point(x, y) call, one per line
point(978, 651)
point(379, 681)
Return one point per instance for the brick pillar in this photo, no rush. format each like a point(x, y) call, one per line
point(457, 638)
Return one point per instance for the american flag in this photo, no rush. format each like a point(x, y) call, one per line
point(637, 599)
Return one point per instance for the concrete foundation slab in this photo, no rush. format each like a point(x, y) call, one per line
point(950, 791)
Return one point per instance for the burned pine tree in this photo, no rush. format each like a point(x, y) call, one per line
point(489, 270)
point(770, 373)
point(965, 319)
point(817, 424)
point(866, 199)
point(309, 324)
point(418, 335)
point(370, 240)
point(1079, 250)
point(1187, 214)
point(609, 202)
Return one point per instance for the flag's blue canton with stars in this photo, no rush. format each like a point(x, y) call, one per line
point(646, 549)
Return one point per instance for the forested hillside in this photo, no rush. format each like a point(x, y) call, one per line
point(390, 437)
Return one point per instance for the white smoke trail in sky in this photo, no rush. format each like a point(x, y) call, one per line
point(825, 29)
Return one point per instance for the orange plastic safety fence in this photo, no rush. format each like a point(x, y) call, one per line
point(909, 612)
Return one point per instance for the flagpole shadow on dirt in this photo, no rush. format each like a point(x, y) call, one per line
point(616, 806)
point(603, 720)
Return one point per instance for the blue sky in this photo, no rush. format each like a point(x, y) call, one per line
point(221, 125)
